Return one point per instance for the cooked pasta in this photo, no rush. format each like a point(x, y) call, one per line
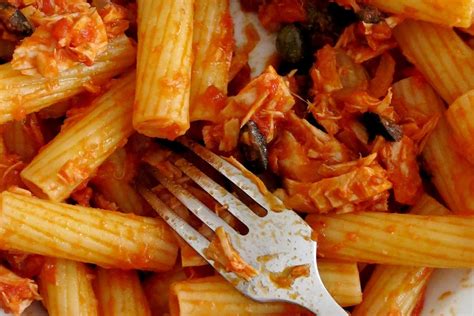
point(66, 288)
point(165, 31)
point(358, 115)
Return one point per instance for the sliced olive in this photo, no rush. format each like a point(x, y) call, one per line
point(377, 125)
point(289, 43)
point(253, 147)
point(14, 21)
point(369, 14)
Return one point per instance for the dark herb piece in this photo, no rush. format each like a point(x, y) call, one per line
point(289, 43)
point(14, 21)
point(369, 14)
point(377, 125)
point(253, 147)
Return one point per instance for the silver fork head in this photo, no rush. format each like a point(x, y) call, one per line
point(275, 242)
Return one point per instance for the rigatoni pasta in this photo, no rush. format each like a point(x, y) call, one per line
point(398, 289)
point(83, 116)
point(106, 238)
point(393, 289)
point(341, 279)
point(441, 241)
point(197, 296)
point(165, 35)
point(21, 94)
point(450, 172)
point(75, 153)
point(212, 47)
point(440, 54)
point(66, 288)
point(460, 117)
point(446, 12)
point(119, 292)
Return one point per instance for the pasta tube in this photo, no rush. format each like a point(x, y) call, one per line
point(119, 292)
point(393, 290)
point(197, 297)
point(106, 238)
point(426, 205)
point(78, 150)
point(341, 279)
point(66, 288)
point(450, 172)
point(454, 13)
point(440, 54)
point(22, 94)
point(460, 117)
point(212, 49)
point(397, 289)
point(165, 34)
point(397, 239)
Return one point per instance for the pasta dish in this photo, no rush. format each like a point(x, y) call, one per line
point(358, 115)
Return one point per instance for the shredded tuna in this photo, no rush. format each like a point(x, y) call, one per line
point(16, 293)
point(400, 161)
point(358, 185)
point(67, 33)
point(264, 100)
point(224, 254)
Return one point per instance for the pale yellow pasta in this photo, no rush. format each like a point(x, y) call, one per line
point(66, 288)
point(78, 150)
point(22, 94)
point(426, 205)
point(106, 238)
point(397, 239)
point(398, 289)
point(450, 172)
point(441, 56)
point(189, 256)
point(198, 297)
point(341, 279)
point(212, 50)
point(393, 290)
point(446, 12)
point(119, 292)
point(165, 34)
point(460, 117)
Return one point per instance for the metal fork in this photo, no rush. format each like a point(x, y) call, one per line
point(281, 237)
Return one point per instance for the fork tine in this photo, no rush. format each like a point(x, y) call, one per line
point(232, 204)
point(180, 226)
point(196, 207)
point(234, 175)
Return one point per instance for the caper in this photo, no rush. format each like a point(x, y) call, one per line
point(289, 43)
